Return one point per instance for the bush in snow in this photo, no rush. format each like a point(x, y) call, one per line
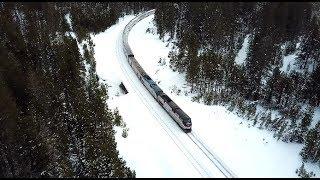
point(125, 132)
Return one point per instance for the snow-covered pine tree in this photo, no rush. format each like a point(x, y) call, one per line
point(311, 149)
point(303, 173)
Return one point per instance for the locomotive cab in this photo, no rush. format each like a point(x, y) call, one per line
point(186, 121)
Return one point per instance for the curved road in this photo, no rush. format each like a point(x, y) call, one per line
point(197, 153)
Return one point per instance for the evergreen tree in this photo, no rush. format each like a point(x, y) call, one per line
point(310, 46)
point(54, 123)
point(303, 173)
point(310, 151)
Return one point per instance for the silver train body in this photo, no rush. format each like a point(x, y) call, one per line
point(180, 117)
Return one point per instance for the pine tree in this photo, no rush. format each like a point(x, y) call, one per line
point(309, 50)
point(310, 151)
point(53, 124)
point(314, 87)
point(306, 121)
point(208, 36)
point(303, 173)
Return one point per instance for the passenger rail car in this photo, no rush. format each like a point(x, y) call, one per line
point(181, 118)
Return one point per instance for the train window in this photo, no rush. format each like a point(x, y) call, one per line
point(158, 92)
point(130, 55)
point(175, 109)
point(173, 105)
point(147, 77)
point(186, 120)
point(150, 81)
point(156, 89)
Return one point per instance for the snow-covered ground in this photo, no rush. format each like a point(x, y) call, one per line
point(288, 62)
point(147, 149)
point(153, 152)
point(242, 54)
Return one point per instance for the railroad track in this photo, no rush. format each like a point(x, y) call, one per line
point(170, 129)
point(166, 128)
point(213, 158)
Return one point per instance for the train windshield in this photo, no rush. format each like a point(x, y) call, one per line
point(185, 118)
point(186, 121)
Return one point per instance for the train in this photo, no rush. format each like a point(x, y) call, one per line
point(180, 117)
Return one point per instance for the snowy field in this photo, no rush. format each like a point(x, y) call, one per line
point(150, 150)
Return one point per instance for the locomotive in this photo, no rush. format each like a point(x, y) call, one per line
point(180, 117)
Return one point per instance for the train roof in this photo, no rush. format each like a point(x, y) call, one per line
point(153, 85)
point(173, 105)
point(150, 82)
point(156, 88)
point(166, 98)
point(182, 114)
point(169, 101)
point(137, 66)
point(147, 77)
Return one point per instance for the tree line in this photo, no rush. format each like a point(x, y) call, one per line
point(54, 120)
point(207, 37)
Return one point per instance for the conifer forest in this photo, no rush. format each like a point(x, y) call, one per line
point(54, 117)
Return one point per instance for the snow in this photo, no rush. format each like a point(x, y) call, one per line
point(288, 63)
point(73, 35)
point(105, 56)
point(154, 146)
point(248, 151)
point(67, 17)
point(316, 117)
point(242, 54)
point(147, 149)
